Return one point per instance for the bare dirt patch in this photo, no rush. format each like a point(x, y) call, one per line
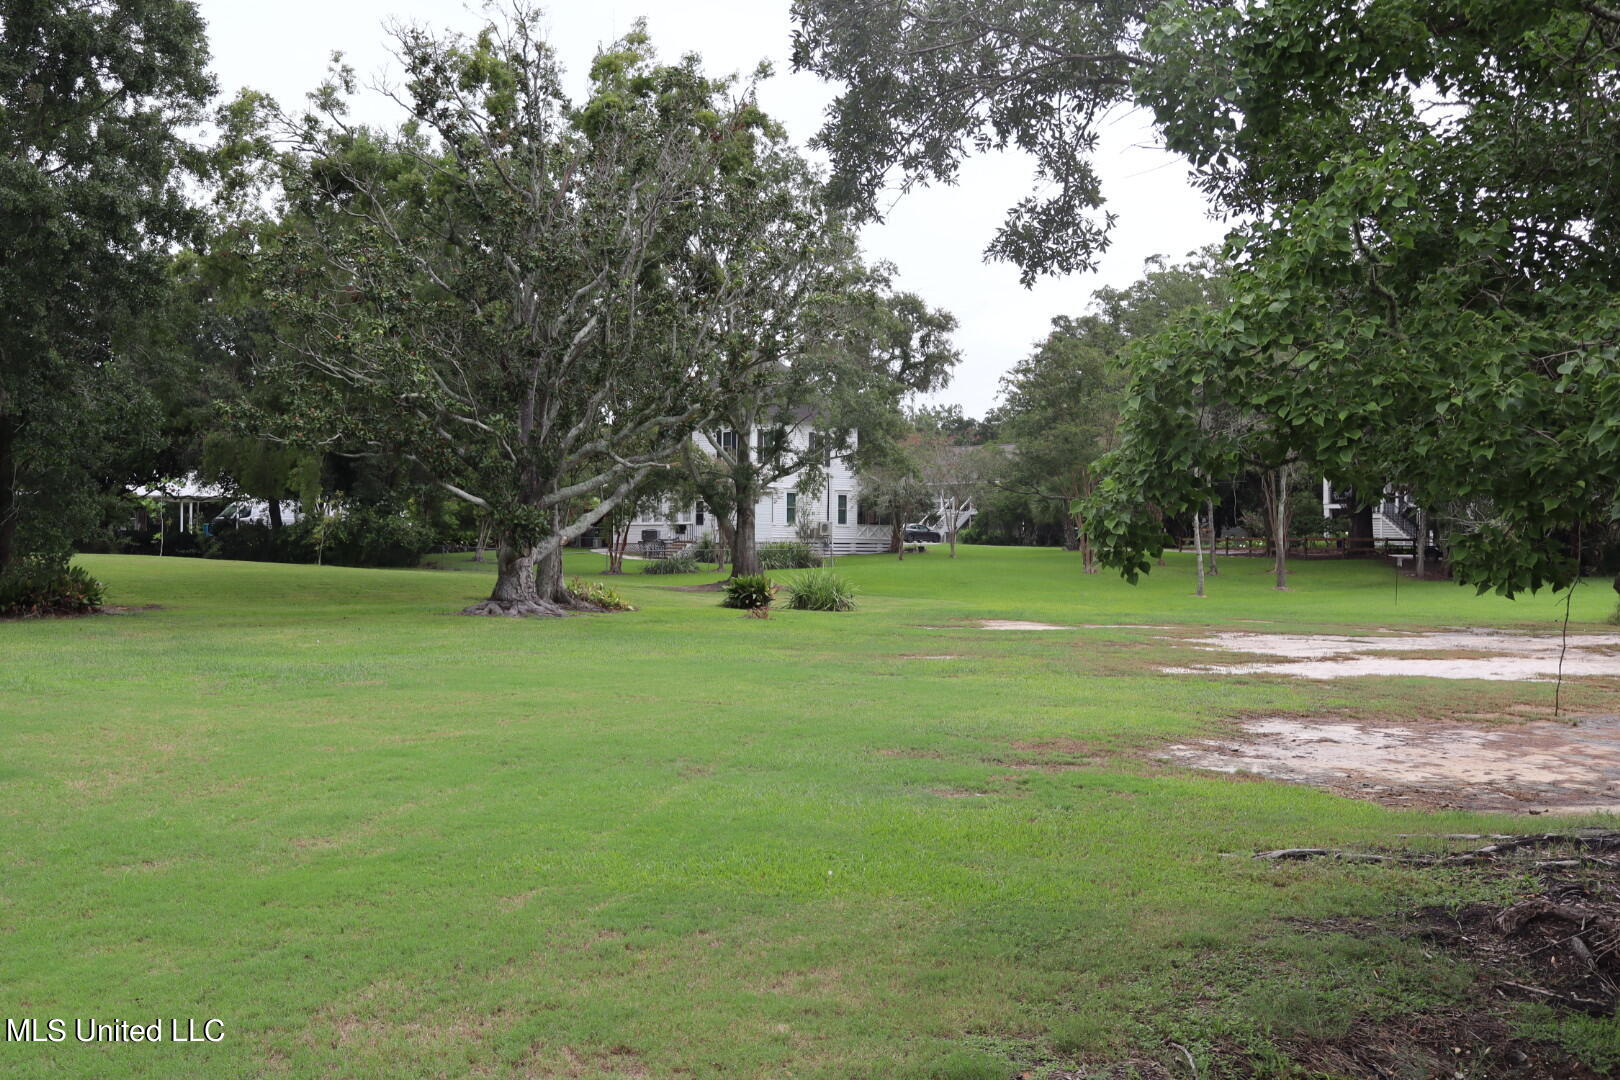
point(1018, 624)
point(1529, 767)
point(1450, 654)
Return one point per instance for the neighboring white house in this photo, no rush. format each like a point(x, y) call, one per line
point(835, 511)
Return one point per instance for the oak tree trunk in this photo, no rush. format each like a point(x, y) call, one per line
point(744, 546)
point(526, 582)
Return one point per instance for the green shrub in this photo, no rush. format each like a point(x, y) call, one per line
point(598, 594)
point(787, 555)
point(40, 586)
point(359, 536)
point(821, 590)
point(683, 563)
point(750, 592)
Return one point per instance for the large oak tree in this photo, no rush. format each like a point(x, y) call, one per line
point(513, 291)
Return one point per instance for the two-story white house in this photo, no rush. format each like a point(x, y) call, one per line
point(834, 512)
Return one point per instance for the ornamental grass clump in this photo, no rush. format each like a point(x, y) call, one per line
point(683, 563)
point(788, 555)
point(821, 590)
point(750, 592)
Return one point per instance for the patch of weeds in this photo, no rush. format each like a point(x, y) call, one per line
point(1297, 1011)
point(1085, 1034)
point(964, 1064)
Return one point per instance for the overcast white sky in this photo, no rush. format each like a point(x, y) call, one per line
point(935, 237)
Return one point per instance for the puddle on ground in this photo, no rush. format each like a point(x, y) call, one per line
point(1532, 767)
point(1492, 655)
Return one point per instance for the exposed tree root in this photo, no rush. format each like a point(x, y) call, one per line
point(520, 609)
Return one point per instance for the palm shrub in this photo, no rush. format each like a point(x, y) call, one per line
point(683, 563)
point(47, 586)
point(750, 592)
point(788, 555)
point(821, 590)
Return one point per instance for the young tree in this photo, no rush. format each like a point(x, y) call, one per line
point(955, 474)
point(513, 292)
point(93, 99)
point(892, 487)
point(820, 342)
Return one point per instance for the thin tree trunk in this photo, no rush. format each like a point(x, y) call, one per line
point(952, 531)
point(1088, 554)
point(9, 511)
point(1420, 558)
point(483, 540)
point(1198, 547)
point(897, 540)
point(1209, 506)
point(1071, 532)
point(1279, 523)
point(618, 541)
point(275, 516)
point(728, 538)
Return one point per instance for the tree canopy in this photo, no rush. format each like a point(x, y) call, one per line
point(1426, 290)
point(520, 295)
point(94, 98)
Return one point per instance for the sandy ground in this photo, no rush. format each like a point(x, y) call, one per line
point(1540, 766)
point(1507, 656)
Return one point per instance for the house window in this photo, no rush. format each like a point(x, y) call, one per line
point(728, 440)
point(697, 514)
point(792, 507)
point(819, 448)
point(843, 509)
point(865, 515)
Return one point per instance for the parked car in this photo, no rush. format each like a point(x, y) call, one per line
point(920, 534)
point(253, 513)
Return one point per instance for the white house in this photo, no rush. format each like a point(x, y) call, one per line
point(835, 511)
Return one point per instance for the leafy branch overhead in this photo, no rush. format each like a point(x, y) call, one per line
point(1424, 286)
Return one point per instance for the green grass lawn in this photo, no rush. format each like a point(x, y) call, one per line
point(381, 840)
